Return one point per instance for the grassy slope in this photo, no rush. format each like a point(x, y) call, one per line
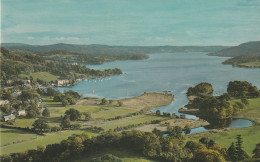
point(123, 154)
point(39, 140)
point(251, 111)
point(45, 76)
point(23, 123)
point(250, 136)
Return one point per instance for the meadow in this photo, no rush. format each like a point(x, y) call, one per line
point(44, 76)
point(251, 111)
point(32, 141)
point(133, 120)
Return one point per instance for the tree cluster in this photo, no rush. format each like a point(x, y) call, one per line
point(242, 89)
point(148, 144)
point(200, 89)
point(217, 108)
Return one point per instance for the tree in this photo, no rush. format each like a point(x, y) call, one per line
point(232, 152)
point(32, 111)
point(77, 146)
point(73, 94)
point(29, 95)
point(208, 155)
point(200, 89)
point(50, 92)
point(88, 116)
point(240, 153)
point(73, 114)
point(158, 112)
point(65, 122)
point(58, 97)
point(46, 113)
point(242, 89)
point(187, 129)
point(65, 102)
point(71, 100)
point(211, 143)
point(120, 103)
point(239, 145)
point(244, 101)
point(256, 151)
point(6, 95)
point(40, 125)
point(104, 101)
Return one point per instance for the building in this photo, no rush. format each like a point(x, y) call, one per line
point(4, 102)
point(61, 83)
point(21, 113)
point(9, 117)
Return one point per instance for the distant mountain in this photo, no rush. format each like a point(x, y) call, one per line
point(105, 49)
point(249, 48)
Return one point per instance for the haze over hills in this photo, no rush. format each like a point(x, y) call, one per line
point(248, 48)
point(105, 49)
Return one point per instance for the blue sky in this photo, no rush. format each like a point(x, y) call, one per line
point(131, 22)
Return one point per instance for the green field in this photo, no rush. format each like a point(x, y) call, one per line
point(32, 141)
point(9, 136)
point(45, 76)
point(123, 154)
point(23, 123)
point(139, 119)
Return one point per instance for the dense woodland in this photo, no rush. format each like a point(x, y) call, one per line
point(83, 59)
point(13, 64)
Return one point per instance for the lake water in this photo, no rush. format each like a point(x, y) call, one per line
point(166, 71)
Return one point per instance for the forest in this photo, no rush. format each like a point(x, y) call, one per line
point(13, 64)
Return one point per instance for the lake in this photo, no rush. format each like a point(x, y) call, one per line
point(165, 71)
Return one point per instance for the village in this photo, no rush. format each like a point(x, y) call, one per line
point(16, 91)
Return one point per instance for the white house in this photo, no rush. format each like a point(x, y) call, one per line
point(3, 102)
point(21, 113)
point(9, 117)
point(63, 82)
